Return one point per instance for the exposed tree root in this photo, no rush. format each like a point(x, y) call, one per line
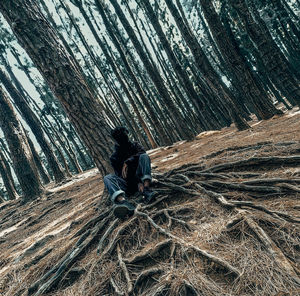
point(237, 149)
point(156, 202)
point(203, 253)
point(125, 270)
point(257, 146)
point(275, 214)
point(146, 274)
point(113, 241)
point(159, 289)
point(178, 188)
point(105, 235)
point(233, 223)
point(149, 252)
point(289, 187)
point(92, 222)
point(115, 287)
point(188, 289)
point(242, 187)
point(271, 181)
point(271, 247)
point(273, 161)
point(207, 175)
point(203, 217)
point(231, 204)
point(55, 274)
point(179, 221)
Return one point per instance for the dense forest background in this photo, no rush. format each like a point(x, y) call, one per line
point(209, 87)
point(168, 70)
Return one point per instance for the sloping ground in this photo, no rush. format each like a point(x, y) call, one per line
point(226, 222)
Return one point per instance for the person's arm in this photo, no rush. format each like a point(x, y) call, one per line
point(137, 151)
point(116, 164)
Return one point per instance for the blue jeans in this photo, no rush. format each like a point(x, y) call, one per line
point(117, 185)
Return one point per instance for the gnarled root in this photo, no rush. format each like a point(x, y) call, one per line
point(149, 252)
point(203, 253)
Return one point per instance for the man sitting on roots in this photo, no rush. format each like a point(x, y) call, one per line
point(132, 169)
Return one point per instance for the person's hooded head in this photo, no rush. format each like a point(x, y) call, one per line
point(120, 135)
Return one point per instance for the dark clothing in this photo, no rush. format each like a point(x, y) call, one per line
point(129, 152)
point(138, 163)
point(116, 185)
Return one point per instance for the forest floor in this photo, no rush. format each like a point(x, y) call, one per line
point(226, 222)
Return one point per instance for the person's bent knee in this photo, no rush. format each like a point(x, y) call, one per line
point(107, 178)
point(144, 156)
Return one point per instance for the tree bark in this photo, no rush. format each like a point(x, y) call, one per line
point(72, 137)
point(177, 93)
point(39, 165)
point(35, 126)
point(21, 154)
point(130, 98)
point(63, 75)
point(61, 36)
point(204, 67)
point(283, 10)
point(180, 73)
point(156, 114)
point(7, 179)
point(238, 68)
point(48, 98)
point(153, 73)
point(288, 33)
point(131, 75)
point(91, 78)
point(273, 59)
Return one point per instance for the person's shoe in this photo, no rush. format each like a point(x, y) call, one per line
point(149, 195)
point(123, 209)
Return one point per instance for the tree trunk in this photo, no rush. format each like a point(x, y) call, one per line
point(82, 156)
point(157, 125)
point(204, 67)
point(68, 150)
point(123, 108)
point(287, 31)
point(177, 93)
point(157, 116)
point(220, 63)
point(63, 75)
point(2, 199)
point(292, 12)
point(39, 165)
point(180, 73)
point(162, 112)
point(13, 78)
point(273, 59)
point(6, 153)
point(282, 9)
point(91, 78)
point(131, 100)
point(137, 28)
point(153, 73)
point(68, 11)
point(240, 73)
point(35, 125)
point(46, 95)
point(130, 72)
point(21, 154)
point(7, 179)
point(52, 22)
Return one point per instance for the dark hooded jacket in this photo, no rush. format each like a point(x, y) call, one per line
point(129, 153)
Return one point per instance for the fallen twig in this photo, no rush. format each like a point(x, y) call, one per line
point(125, 270)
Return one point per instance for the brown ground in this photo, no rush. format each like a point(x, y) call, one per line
point(36, 236)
